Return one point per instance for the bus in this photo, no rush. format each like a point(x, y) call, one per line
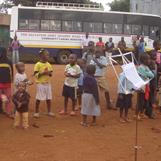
point(60, 27)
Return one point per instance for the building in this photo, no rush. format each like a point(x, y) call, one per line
point(4, 29)
point(146, 6)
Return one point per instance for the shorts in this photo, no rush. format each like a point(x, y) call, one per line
point(125, 102)
point(102, 83)
point(44, 92)
point(69, 92)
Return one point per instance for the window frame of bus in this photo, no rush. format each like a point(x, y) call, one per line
point(49, 27)
point(94, 24)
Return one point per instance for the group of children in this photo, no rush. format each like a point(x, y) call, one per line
point(83, 77)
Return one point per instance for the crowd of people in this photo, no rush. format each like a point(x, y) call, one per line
point(83, 79)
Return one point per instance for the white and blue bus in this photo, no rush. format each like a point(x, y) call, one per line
point(60, 27)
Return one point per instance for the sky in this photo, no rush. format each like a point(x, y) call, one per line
point(104, 2)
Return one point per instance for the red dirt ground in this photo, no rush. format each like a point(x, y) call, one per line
point(108, 141)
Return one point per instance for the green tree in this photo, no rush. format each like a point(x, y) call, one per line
point(120, 5)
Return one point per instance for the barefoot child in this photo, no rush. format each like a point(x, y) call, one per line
point(6, 76)
point(124, 100)
point(21, 101)
point(101, 63)
point(72, 73)
point(144, 106)
point(82, 65)
point(90, 97)
point(43, 71)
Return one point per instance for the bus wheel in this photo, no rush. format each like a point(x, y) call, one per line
point(63, 55)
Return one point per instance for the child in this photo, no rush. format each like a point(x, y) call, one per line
point(159, 93)
point(144, 94)
point(21, 75)
point(43, 71)
point(124, 100)
point(6, 75)
point(21, 101)
point(90, 97)
point(72, 73)
point(82, 65)
point(101, 63)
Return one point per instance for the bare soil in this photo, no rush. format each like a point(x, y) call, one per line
point(63, 138)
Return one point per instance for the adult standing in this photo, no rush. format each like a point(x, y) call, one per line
point(141, 47)
point(122, 44)
point(15, 45)
point(136, 46)
point(109, 46)
point(88, 55)
point(85, 42)
point(100, 43)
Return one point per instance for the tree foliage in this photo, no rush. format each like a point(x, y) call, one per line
point(120, 5)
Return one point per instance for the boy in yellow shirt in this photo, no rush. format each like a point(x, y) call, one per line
point(43, 71)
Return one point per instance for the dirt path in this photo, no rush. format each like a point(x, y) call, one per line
point(63, 139)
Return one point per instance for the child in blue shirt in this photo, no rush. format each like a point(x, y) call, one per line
point(124, 101)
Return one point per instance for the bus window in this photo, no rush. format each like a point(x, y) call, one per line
point(67, 25)
point(23, 24)
point(127, 29)
point(153, 32)
point(117, 28)
point(145, 30)
point(92, 27)
point(77, 26)
point(136, 29)
point(45, 25)
point(107, 28)
point(55, 25)
point(97, 27)
point(34, 24)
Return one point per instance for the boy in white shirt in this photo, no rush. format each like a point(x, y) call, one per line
point(72, 73)
point(21, 75)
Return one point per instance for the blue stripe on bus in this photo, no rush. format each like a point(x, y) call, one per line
point(53, 52)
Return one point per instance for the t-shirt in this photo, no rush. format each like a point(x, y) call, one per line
point(15, 44)
point(141, 47)
point(124, 85)
point(87, 56)
point(100, 72)
point(145, 72)
point(19, 78)
point(101, 44)
point(85, 42)
point(41, 67)
point(73, 70)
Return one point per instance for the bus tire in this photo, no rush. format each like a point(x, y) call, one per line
point(62, 57)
